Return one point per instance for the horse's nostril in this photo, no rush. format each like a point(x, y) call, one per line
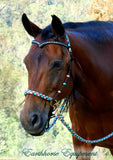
point(34, 119)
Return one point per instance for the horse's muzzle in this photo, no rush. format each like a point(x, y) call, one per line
point(34, 124)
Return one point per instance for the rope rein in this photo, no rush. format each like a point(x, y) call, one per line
point(60, 117)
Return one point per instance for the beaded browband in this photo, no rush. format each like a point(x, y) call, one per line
point(45, 97)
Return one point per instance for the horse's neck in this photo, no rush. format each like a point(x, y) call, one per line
point(86, 82)
point(83, 52)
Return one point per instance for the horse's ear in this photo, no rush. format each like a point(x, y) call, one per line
point(57, 26)
point(30, 27)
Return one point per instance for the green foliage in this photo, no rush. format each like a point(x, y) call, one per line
point(14, 45)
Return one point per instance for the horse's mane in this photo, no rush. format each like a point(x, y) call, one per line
point(94, 30)
point(77, 25)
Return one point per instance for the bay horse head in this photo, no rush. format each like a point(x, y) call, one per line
point(49, 73)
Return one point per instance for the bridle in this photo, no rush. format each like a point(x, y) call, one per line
point(53, 100)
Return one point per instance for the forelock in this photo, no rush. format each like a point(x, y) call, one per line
point(47, 33)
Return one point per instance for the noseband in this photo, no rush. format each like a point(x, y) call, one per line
point(45, 97)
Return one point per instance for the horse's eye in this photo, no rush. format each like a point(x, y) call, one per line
point(57, 64)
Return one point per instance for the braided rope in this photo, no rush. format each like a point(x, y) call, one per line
point(61, 118)
point(30, 92)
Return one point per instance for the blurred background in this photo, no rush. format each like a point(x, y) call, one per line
point(15, 143)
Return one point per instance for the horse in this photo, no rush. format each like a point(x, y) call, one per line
point(73, 61)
